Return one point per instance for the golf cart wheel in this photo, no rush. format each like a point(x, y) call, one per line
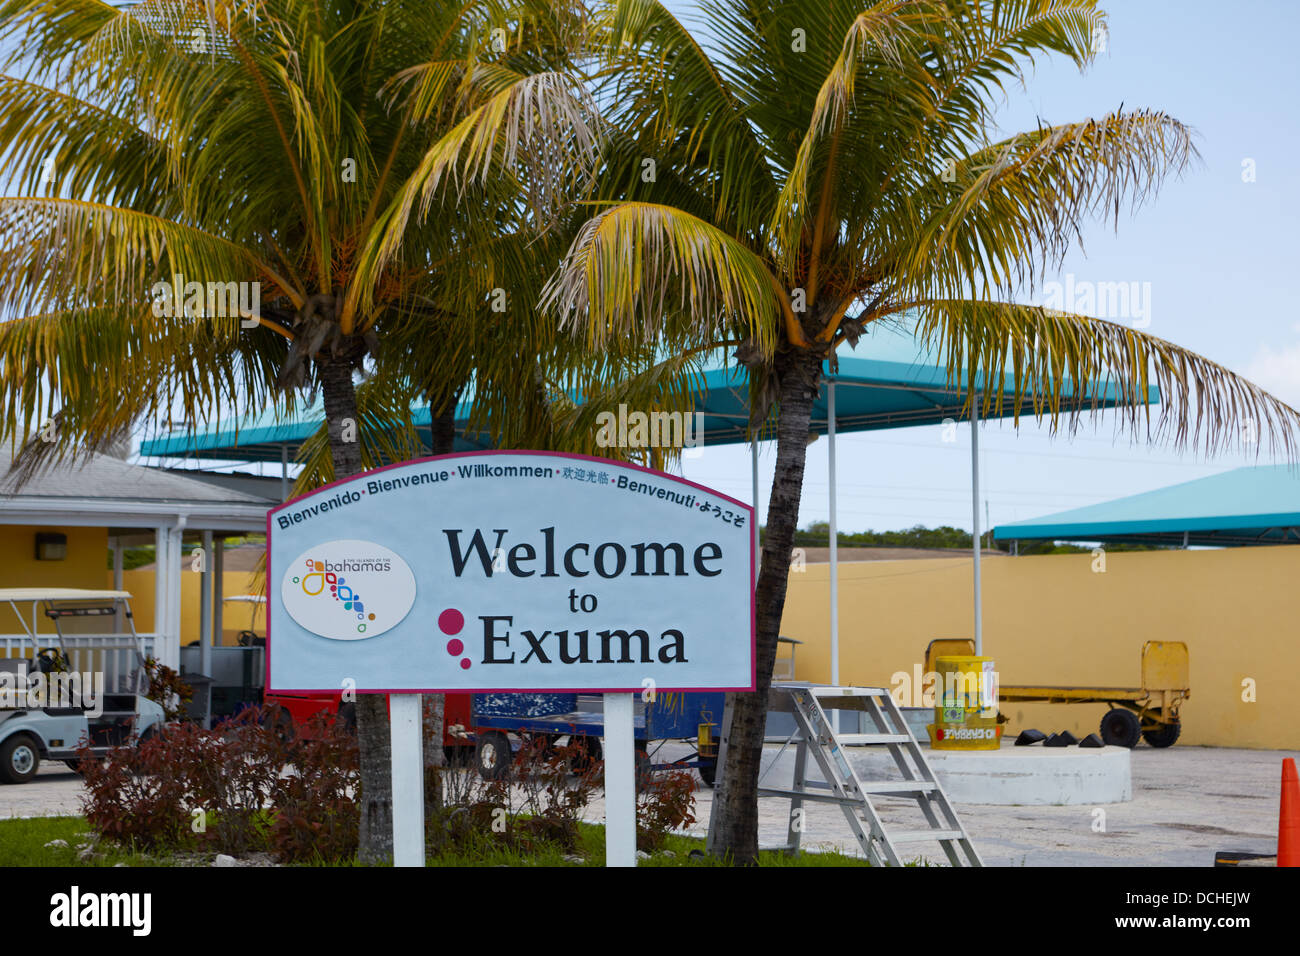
point(1121, 728)
point(19, 759)
point(1164, 735)
point(493, 755)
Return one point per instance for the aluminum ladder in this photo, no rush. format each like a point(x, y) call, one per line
point(841, 784)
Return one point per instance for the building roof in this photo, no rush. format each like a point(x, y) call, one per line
point(890, 381)
point(1252, 505)
point(101, 490)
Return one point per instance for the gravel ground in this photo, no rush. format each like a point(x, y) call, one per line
point(1188, 802)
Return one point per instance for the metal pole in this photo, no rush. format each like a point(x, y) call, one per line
point(205, 608)
point(219, 586)
point(119, 621)
point(834, 541)
point(408, 779)
point(975, 516)
point(284, 472)
point(620, 781)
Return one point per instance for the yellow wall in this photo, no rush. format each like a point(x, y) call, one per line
point(1052, 620)
point(83, 567)
point(236, 615)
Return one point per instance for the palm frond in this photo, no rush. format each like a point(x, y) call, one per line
point(641, 272)
point(1062, 363)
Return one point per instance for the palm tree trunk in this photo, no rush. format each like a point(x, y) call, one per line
point(373, 730)
point(733, 824)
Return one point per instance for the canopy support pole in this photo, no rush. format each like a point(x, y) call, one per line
point(284, 472)
point(975, 518)
point(834, 552)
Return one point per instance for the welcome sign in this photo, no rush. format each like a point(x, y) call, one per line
point(510, 571)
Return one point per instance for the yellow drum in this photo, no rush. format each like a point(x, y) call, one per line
point(965, 705)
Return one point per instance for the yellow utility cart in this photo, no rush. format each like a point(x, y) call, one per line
point(1149, 712)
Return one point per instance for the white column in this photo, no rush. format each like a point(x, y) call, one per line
point(975, 518)
point(620, 782)
point(205, 608)
point(408, 780)
point(161, 591)
point(174, 556)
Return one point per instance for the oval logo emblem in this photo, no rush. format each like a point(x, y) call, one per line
point(348, 590)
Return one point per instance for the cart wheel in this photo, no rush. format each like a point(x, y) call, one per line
point(586, 753)
point(492, 755)
point(19, 759)
point(1121, 728)
point(1163, 736)
point(708, 771)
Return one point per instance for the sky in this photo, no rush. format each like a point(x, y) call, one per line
point(1219, 253)
point(1214, 255)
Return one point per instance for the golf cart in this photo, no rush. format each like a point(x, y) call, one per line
point(89, 688)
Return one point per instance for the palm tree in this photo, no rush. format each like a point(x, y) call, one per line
point(831, 170)
point(295, 145)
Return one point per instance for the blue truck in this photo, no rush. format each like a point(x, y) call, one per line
point(502, 720)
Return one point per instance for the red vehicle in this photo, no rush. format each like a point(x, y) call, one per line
point(298, 709)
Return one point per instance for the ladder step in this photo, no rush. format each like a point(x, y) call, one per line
point(863, 739)
point(806, 795)
point(901, 786)
point(831, 692)
point(916, 836)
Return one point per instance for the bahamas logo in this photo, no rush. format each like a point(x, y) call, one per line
point(348, 590)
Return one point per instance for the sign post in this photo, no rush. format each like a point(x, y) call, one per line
point(620, 781)
point(407, 722)
point(510, 572)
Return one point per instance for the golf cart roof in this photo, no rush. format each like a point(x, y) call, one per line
point(61, 594)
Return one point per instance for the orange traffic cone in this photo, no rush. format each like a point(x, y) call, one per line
point(1288, 824)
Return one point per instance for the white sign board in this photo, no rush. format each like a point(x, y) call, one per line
point(510, 571)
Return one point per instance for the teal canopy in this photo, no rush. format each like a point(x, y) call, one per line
point(890, 381)
point(1254, 505)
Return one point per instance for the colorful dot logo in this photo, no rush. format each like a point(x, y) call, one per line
point(348, 590)
point(451, 621)
point(339, 590)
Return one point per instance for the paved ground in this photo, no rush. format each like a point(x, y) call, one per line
point(1187, 803)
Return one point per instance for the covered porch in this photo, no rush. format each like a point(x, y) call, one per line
point(71, 525)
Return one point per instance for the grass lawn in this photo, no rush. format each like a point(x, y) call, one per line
point(23, 843)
